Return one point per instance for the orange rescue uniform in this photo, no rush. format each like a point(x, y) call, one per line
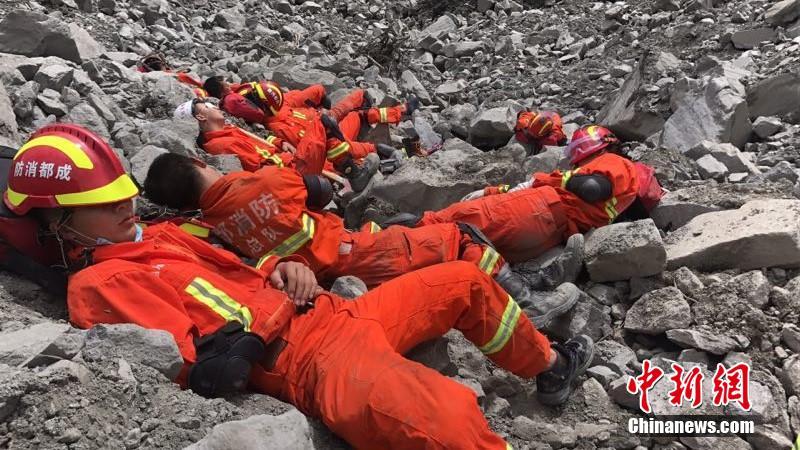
point(526, 223)
point(255, 153)
point(264, 214)
point(343, 360)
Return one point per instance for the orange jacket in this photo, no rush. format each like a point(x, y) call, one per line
point(175, 282)
point(585, 216)
point(252, 153)
point(264, 213)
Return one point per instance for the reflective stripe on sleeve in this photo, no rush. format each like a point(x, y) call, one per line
point(219, 302)
point(488, 260)
point(384, 112)
point(293, 243)
point(611, 209)
point(338, 150)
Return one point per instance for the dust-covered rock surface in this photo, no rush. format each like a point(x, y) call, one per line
point(705, 91)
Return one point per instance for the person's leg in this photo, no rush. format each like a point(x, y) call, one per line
point(350, 103)
point(388, 114)
point(312, 95)
point(426, 303)
point(374, 398)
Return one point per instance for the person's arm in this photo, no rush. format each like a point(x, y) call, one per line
point(136, 296)
point(238, 106)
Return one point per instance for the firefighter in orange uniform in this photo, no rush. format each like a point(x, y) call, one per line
point(278, 212)
point(235, 326)
point(543, 212)
point(538, 129)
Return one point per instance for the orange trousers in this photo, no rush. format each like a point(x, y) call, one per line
point(522, 225)
point(343, 361)
point(377, 257)
point(347, 112)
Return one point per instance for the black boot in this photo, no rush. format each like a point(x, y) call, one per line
point(567, 266)
point(331, 127)
point(388, 152)
point(402, 219)
point(554, 387)
point(412, 104)
point(541, 307)
point(359, 176)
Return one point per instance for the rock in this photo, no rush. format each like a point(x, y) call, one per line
point(774, 96)
point(618, 392)
point(24, 100)
point(586, 317)
point(784, 170)
point(704, 340)
point(731, 157)
point(613, 355)
point(623, 251)
point(794, 413)
point(748, 39)
point(154, 348)
point(428, 137)
point(791, 337)
point(451, 88)
point(463, 48)
point(163, 93)
point(492, 128)
point(176, 136)
point(34, 34)
point(713, 443)
point(436, 31)
point(83, 114)
point(292, 77)
point(752, 286)
point(693, 356)
point(17, 348)
point(289, 431)
point(766, 437)
point(9, 132)
point(782, 12)
point(232, 19)
point(687, 281)
point(764, 233)
point(555, 435)
point(791, 375)
point(765, 127)
point(667, 62)
point(72, 369)
point(718, 114)
point(348, 287)
point(409, 83)
point(659, 311)
point(225, 163)
point(140, 163)
point(56, 77)
point(625, 116)
point(432, 183)
point(710, 168)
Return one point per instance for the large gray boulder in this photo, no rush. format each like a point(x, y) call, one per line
point(782, 12)
point(34, 34)
point(774, 96)
point(83, 114)
point(659, 311)
point(19, 347)
point(294, 77)
point(435, 182)
point(9, 132)
point(625, 250)
point(492, 128)
point(410, 84)
point(717, 113)
point(154, 348)
point(762, 233)
point(289, 431)
point(625, 116)
point(140, 163)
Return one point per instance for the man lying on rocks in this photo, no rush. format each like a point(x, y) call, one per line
point(273, 329)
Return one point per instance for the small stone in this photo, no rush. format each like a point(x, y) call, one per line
point(556, 435)
point(659, 311)
point(70, 436)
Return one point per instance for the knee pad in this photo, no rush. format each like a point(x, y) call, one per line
point(224, 360)
point(320, 191)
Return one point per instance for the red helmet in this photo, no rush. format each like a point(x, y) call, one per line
point(267, 94)
point(536, 125)
point(65, 165)
point(588, 141)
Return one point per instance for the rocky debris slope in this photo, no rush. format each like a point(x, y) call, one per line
point(706, 91)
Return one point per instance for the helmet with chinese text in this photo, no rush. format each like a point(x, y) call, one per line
point(65, 165)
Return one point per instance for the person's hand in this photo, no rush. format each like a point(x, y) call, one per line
point(522, 186)
point(297, 280)
point(287, 147)
point(473, 195)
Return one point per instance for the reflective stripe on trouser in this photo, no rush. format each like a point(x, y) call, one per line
point(504, 331)
point(611, 209)
point(368, 386)
point(391, 114)
point(294, 242)
point(220, 302)
point(338, 150)
point(488, 260)
point(566, 176)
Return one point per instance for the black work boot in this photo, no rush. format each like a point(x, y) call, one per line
point(413, 147)
point(412, 104)
point(386, 151)
point(541, 307)
point(567, 266)
point(359, 175)
point(331, 127)
point(554, 387)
